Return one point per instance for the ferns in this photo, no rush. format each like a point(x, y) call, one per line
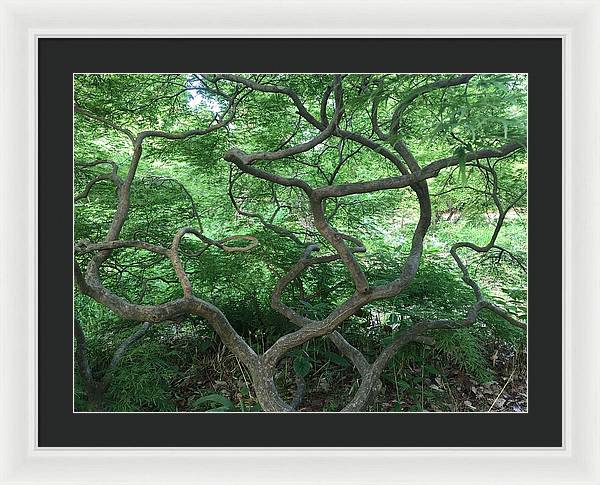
point(464, 348)
point(141, 381)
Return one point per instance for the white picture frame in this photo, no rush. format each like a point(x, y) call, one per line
point(576, 22)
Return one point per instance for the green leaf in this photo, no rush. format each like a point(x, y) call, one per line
point(403, 385)
point(220, 409)
point(302, 366)
point(335, 358)
point(460, 153)
point(226, 404)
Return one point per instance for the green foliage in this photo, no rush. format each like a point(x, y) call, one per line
point(465, 349)
point(302, 366)
point(187, 183)
point(141, 381)
point(214, 403)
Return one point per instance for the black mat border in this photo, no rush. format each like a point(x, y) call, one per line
point(58, 59)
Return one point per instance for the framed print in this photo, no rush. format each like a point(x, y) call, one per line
point(320, 378)
point(228, 196)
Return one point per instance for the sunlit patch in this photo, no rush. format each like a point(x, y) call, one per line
point(198, 98)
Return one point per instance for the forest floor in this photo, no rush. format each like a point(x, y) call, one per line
point(450, 389)
point(457, 391)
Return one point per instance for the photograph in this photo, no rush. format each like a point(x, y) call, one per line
point(276, 244)
point(311, 242)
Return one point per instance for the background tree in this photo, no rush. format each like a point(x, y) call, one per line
point(291, 216)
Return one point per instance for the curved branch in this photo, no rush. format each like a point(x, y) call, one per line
point(273, 227)
point(345, 348)
point(92, 116)
point(90, 184)
point(427, 172)
point(269, 88)
point(502, 211)
point(244, 160)
point(415, 93)
point(416, 334)
point(120, 352)
point(95, 389)
point(160, 180)
point(112, 176)
point(239, 158)
point(336, 239)
point(123, 204)
point(85, 246)
point(81, 355)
